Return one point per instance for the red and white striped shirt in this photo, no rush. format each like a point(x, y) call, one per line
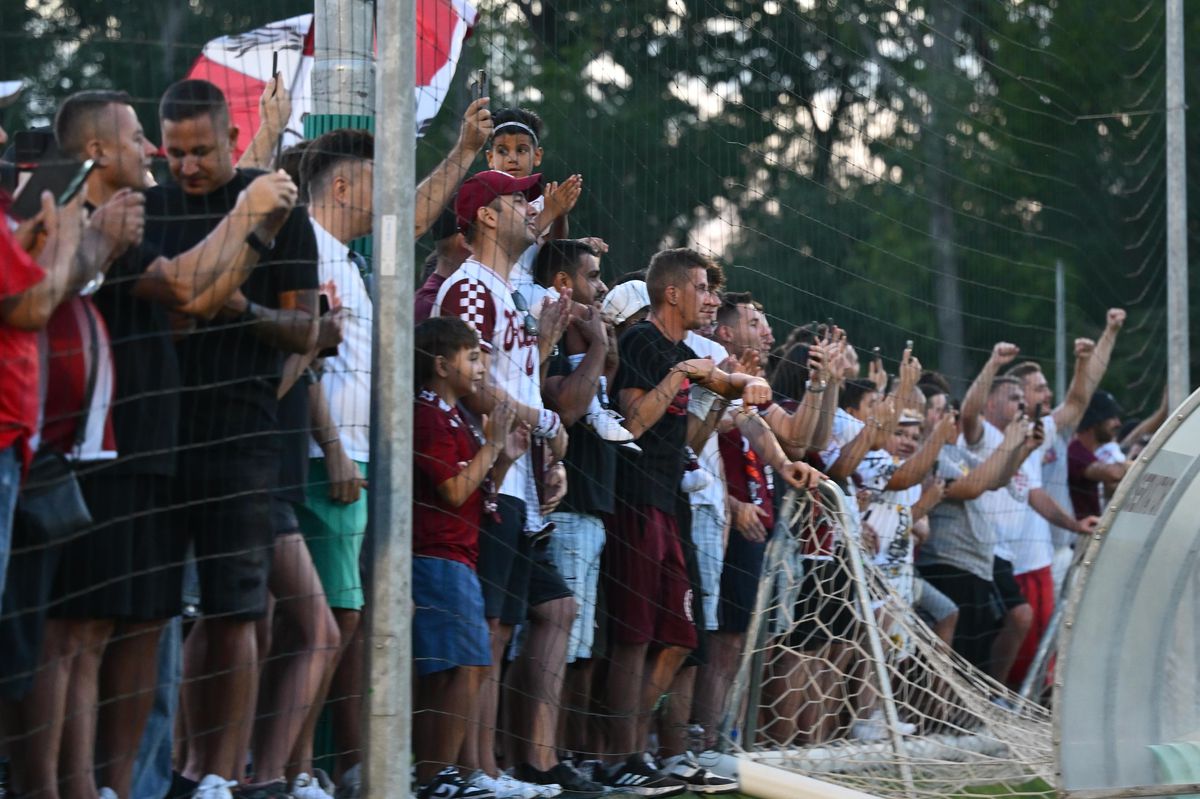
point(71, 351)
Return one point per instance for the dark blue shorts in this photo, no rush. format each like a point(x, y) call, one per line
point(739, 582)
point(449, 628)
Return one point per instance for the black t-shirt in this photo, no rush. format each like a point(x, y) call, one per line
point(652, 478)
point(591, 462)
point(145, 407)
point(229, 374)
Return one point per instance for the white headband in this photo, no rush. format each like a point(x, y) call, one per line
point(514, 124)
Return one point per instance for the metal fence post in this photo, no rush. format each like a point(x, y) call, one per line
point(389, 641)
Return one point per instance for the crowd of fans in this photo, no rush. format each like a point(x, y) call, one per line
point(596, 472)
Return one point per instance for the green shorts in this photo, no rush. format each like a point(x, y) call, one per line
point(334, 533)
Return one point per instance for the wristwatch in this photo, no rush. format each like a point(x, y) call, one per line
point(256, 244)
point(247, 316)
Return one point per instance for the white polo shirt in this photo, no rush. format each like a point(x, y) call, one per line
point(346, 377)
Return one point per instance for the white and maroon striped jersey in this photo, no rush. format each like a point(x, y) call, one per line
point(484, 300)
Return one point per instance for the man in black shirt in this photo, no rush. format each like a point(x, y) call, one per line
point(230, 368)
point(119, 581)
point(591, 463)
point(647, 587)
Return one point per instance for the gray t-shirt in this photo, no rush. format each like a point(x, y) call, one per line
point(1054, 480)
point(960, 534)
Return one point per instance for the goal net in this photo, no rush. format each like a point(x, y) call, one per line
point(845, 681)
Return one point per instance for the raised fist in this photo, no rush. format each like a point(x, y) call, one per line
point(1004, 352)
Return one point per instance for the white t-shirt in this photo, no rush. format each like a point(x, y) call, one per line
point(890, 515)
point(1110, 453)
point(483, 299)
point(1022, 535)
point(845, 428)
point(710, 456)
point(346, 377)
point(521, 276)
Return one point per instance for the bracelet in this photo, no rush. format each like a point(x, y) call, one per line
point(257, 244)
point(327, 442)
point(247, 317)
point(548, 424)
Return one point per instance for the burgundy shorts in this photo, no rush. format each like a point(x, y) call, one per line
point(647, 590)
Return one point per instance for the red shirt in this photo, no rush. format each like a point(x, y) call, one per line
point(443, 447)
point(426, 296)
point(745, 477)
point(73, 354)
point(19, 366)
point(1085, 493)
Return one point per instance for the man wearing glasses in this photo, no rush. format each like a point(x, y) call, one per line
point(496, 217)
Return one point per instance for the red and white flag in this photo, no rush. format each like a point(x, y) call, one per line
point(240, 64)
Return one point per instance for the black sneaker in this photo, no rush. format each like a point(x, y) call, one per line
point(275, 789)
point(591, 769)
point(638, 776)
point(449, 784)
point(574, 784)
point(697, 778)
point(181, 787)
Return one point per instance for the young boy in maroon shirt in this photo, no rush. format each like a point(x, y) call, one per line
point(456, 471)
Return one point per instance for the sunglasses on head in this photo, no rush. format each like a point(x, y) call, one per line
point(531, 325)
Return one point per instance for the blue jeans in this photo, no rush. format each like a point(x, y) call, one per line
point(152, 770)
point(10, 484)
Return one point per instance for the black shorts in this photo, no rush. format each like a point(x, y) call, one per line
point(283, 516)
point(980, 610)
point(1006, 584)
point(825, 608)
point(226, 510)
point(504, 562)
point(129, 564)
point(546, 584)
point(739, 582)
point(23, 611)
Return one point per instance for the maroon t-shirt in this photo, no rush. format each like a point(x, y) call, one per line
point(443, 447)
point(1085, 493)
point(745, 478)
point(425, 297)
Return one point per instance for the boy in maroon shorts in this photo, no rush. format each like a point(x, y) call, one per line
point(454, 478)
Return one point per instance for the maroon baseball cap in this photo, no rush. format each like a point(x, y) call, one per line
point(483, 187)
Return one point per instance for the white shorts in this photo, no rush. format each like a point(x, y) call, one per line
point(575, 547)
point(708, 534)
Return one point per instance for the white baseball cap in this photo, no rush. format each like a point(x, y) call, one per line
point(9, 91)
point(624, 301)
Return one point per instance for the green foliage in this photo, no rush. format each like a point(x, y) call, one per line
point(141, 46)
point(857, 154)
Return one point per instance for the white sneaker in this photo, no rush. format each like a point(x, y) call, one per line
point(214, 787)
point(698, 779)
point(306, 787)
point(107, 793)
point(547, 791)
point(875, 728)
point(505, 787)
point(1004, 703)
point(607, 424)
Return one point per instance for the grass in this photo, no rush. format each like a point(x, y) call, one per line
point(1034, 789)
